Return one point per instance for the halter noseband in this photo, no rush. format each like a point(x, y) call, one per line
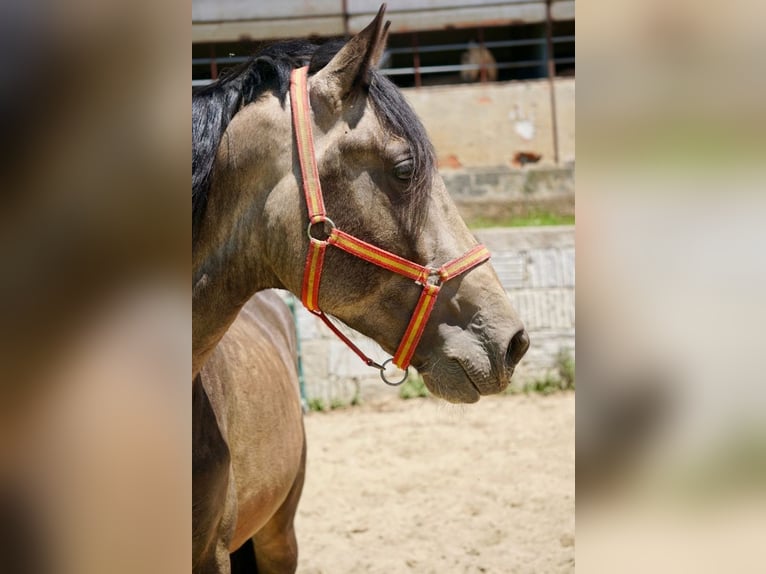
point(429, 278)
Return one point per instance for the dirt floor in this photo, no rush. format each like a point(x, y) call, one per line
point(422, 486)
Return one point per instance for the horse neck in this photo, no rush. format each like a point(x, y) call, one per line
point(226, 271)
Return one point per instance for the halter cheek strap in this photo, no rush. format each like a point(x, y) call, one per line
point(429, 278)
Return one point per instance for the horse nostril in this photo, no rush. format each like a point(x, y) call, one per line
point(517, 348)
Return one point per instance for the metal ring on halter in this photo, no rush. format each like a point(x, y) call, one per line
point(433, 277)
point(392, 383)
point(321, 219)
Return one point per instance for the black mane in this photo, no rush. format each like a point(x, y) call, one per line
point(214, 106)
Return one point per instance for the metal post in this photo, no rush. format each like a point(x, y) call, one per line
point(551, 76)
point(416, 59)
point(301, 380)
point(213, 63)
point(482, 65)
point(346, 17)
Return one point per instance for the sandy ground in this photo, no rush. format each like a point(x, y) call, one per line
point(423, 486)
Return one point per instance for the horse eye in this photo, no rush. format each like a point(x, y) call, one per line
point(403, 169)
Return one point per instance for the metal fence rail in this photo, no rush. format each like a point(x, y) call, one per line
point(420, 70)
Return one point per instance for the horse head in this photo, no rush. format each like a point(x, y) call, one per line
point(379, 183)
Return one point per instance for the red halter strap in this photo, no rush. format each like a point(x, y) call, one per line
point(429, 278)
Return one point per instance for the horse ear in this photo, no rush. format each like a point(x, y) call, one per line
point(380, 45)
point(350, 68)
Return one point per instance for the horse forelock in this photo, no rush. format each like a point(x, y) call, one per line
point(215, 105)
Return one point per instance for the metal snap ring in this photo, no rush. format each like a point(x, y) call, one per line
point(432, 277)
point(317, 221)
point(392, 383)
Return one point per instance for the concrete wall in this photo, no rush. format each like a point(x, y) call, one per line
point(478, 130)
point(494, 194)
point(536, 267)
point(485, 125)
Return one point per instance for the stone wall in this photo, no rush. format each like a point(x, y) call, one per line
point(536, 267)
point(494, 194)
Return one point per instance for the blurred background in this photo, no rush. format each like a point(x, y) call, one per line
point(671, 435)
point(95, 306)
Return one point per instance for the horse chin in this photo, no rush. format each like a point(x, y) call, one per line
point(451, 382)
point(459, 380)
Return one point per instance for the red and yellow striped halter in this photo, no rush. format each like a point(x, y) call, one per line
point(429, 278)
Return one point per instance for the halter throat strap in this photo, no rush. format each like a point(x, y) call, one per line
point(431, 279)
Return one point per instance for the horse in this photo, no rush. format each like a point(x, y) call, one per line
point(482, 58)
point(311, 173)
point(249, 447)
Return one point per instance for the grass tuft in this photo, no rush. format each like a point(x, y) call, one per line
point(413, 387)
point(534, 219)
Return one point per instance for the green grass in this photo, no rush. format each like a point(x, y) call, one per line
point(545, 386)
point(528, 220)
point(565, 367)
point(317, 405)
point(413, 388)
point(560, 378)
point(337, 404)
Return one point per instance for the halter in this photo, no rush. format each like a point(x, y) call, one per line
point(430, 278)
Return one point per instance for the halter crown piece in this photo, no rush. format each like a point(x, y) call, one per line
point(429, 278)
